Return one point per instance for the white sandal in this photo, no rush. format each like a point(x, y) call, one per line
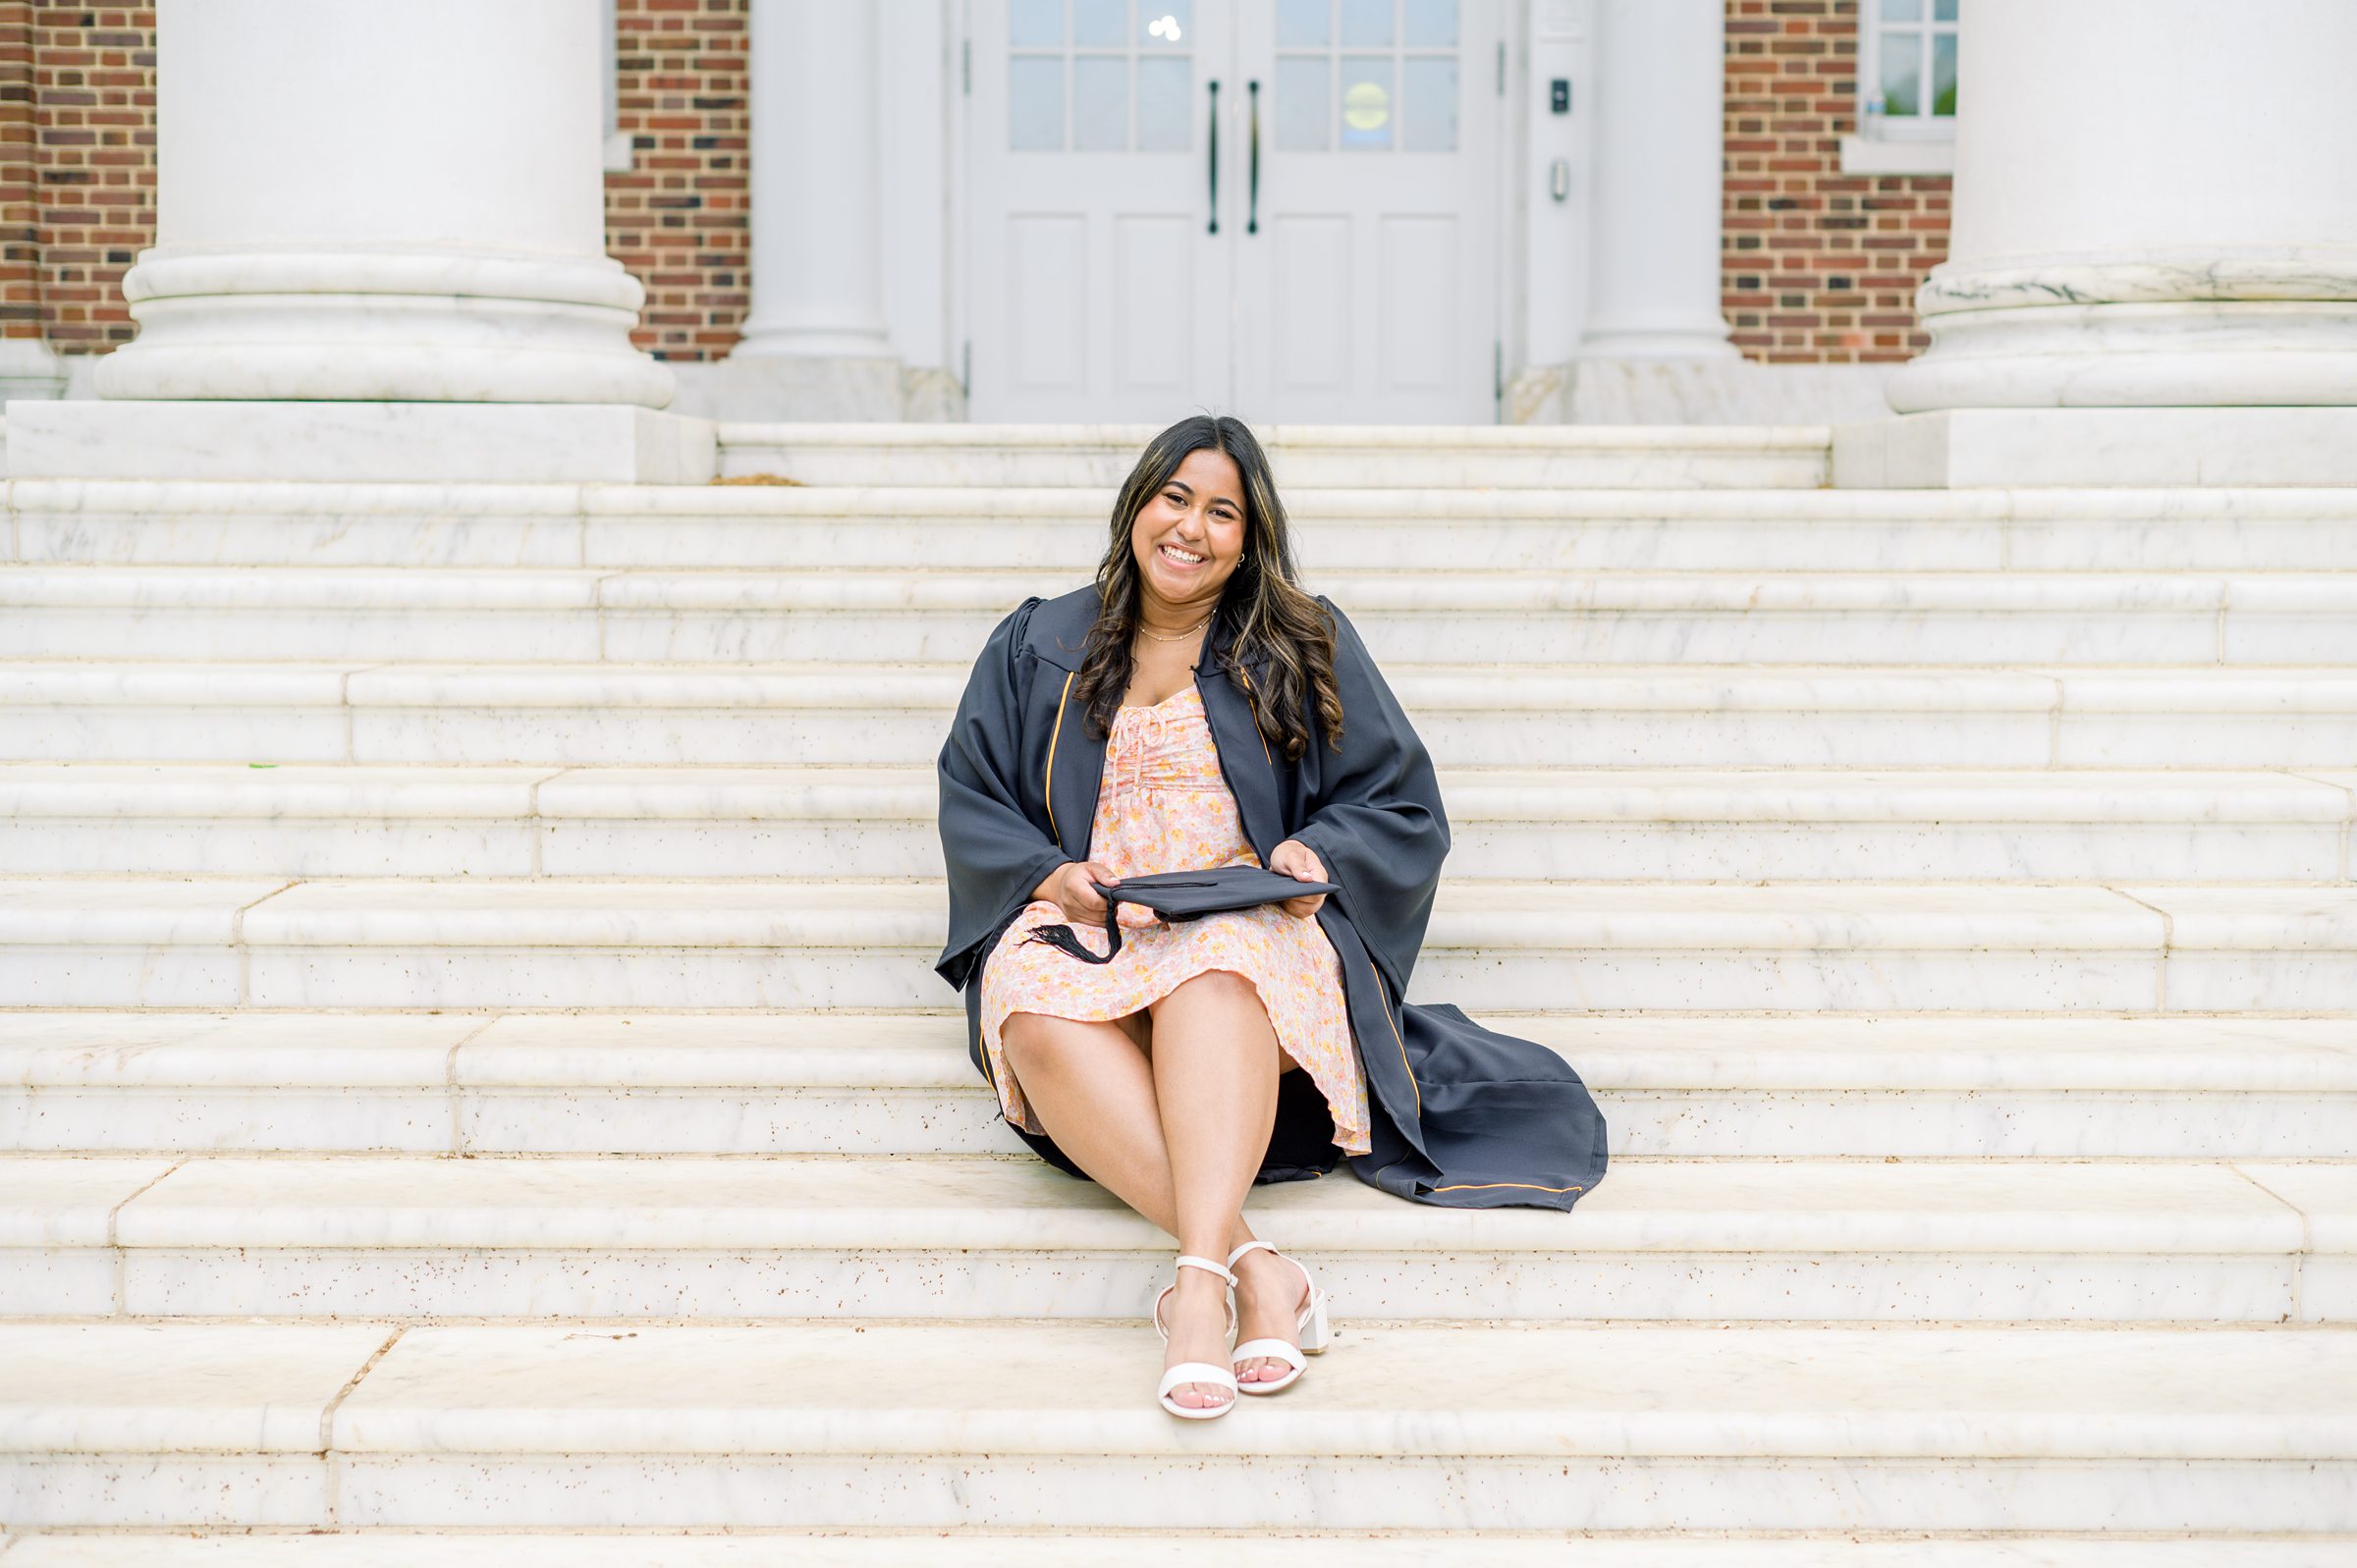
point(1311, 1324)
point(1196, 1371)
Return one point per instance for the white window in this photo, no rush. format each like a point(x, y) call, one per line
point(1906, 88)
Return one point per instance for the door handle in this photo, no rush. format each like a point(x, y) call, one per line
point(1215, 157)
point(1252, 208)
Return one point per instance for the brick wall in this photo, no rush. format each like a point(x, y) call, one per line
point(677, 218)
point(1819, 266)
point(76, 168)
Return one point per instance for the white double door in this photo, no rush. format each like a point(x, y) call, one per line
point(1281, 209)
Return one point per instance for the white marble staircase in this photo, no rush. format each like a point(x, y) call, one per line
point(472, 1090)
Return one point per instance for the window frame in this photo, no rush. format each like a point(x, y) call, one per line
point(1874, 126)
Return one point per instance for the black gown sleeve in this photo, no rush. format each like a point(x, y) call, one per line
point(995, 853)
point(1373, 811)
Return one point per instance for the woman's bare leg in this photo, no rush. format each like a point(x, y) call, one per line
point(1215, 1064)
point(1092, 1088)
point(1089, 1086)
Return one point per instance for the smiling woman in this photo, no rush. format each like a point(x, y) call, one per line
point(1192, 709)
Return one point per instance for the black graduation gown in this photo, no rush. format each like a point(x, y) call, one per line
point(1460, 1115)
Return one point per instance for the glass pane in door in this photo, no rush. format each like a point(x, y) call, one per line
point(1165, 88)
point(1431, 24)
point(1100, 103)
point(1301, 113)
point(1035, 24)
point(1166, 23)
point(1303, 24)
point(1366, 120)
point(1428, 104)
point(1366, 24)
point(1035, 103)
point(1099, 24)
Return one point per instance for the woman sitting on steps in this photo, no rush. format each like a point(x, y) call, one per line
point(1193, 708)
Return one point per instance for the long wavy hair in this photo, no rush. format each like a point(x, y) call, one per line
point(1271, 625)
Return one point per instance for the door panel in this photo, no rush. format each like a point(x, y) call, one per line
point(1152, 278)
point(1416, 295)
point(1312, 315)
point(1048, 271)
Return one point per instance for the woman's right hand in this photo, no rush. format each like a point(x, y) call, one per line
point(1069, 887)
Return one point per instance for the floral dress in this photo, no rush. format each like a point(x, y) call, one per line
point(1164, 806)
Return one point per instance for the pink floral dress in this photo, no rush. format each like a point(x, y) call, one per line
point(1164, 806)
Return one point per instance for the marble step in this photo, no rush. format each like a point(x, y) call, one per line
point(1163, 1549)
point(1101, 456)
point(1613, 825)
point(1473, 716)
point(1511, 618)
point(1500, 947)
point(59, 523)
point(2214, 1088)
point(1050, 1425)
point(802, 1237)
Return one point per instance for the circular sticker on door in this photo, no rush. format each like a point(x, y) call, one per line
point(1366, 106)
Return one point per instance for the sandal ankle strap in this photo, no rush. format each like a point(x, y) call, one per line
point(1309, 1283)
point(1188, 1261)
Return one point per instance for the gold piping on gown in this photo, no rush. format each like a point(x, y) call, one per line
point(1056, 735)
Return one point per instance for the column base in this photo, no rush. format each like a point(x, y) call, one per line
point(497, 443)
point(1958, 448)
point(361, 325)
point(2238, 327)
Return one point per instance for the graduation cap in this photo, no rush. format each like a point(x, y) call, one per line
point(1181, 895)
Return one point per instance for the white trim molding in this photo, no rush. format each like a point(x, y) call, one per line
point(1874, 155)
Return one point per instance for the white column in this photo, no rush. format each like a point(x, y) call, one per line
point(1659, 93)
point(395, 202)
point(818, 232)
point(2155, 204)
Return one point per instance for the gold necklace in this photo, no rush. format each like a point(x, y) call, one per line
point(1175, 636)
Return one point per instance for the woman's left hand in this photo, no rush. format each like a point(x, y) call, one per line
point(1295, 859)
